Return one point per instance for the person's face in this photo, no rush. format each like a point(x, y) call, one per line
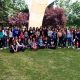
point(46, 38)
point(41, 37)
point(19, 40)
point(33, 39)
point(16, 27)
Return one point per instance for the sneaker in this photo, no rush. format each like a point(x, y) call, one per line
point(73, 47)
point(68, 47)
point(78, 48)
point(5, 47)
point(1, 48)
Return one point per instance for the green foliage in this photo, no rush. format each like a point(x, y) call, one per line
point(10, 7)
point(73, 18)
point(76, 8)
point(72, 11)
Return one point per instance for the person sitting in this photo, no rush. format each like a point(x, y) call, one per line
point(51, 44)
point(46, 42)
point(29, 42)
point(34, 44)
point(20, 45)
point(13, 47)
point(26, 42)
point(41, 43)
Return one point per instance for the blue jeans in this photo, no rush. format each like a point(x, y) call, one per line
point(70, 41)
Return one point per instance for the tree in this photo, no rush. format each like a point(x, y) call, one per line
point(54, 17)
point(19, 19)
point(11, 7)
point(76, 8)
point(74, 16)
point(72, 11)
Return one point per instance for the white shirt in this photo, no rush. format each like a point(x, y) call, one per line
point(4, 32)
point(10, 34)
point(50, 33)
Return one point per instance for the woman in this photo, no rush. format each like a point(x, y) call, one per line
point(14, 47)
point(1, 39)
point(46, 42)
point(60, 38)
point(22, 36)
point(34, 44)
point(41, 43)
point(10, 36)
point(20, 45)
point(51, 44)
point(69, 38)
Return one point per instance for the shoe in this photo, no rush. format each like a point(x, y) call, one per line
point(1, 48)
point(5, 47)
point(78, 48)
point(73, 47)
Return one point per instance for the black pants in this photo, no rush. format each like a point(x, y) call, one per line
point(1, 43)
point(79, 43)
point(60, 43)
point(55, 42)
point(41, 47)
point(64, 42)
point(10, 41)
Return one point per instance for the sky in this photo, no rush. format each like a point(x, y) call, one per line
point(48, 1)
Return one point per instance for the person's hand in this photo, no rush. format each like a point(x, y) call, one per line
point(14, 50)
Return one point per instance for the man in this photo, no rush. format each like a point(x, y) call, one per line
point(16, 32)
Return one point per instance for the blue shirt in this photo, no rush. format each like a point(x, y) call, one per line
point(40, 42)
point(1, 35)
point(15, 32)
point(54, 35)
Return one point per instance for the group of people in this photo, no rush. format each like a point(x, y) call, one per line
point(19, 39)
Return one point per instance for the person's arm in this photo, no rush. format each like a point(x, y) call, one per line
point(23, 45)
point(16, 48)
point(18, 44)
point(13, 47)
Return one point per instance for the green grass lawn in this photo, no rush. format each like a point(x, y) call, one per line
point(46, 64)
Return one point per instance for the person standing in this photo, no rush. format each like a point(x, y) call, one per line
point(1, 39)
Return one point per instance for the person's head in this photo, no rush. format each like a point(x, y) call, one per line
point(53, 29)
point(16, 27)
point(34, 39)
point(13, 41)
point(19, 40)
point(30, 28)
point(41, 37)
point(40, 28)
point(34, 28)
point(46, 38)
point(16, 38)
point(31, 37)
point(37, 29)
point(26, 29)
